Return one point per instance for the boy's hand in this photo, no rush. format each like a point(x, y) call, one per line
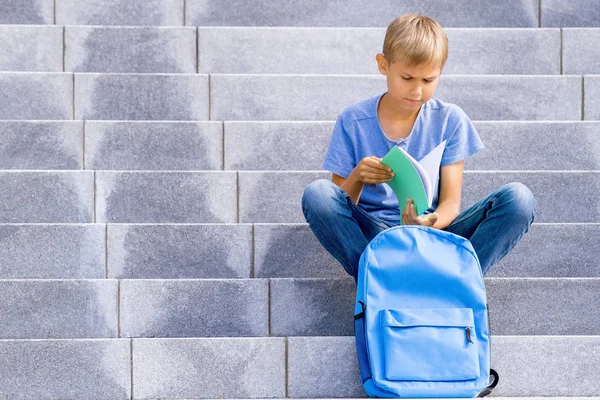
point(371, 170)
point(410, 217)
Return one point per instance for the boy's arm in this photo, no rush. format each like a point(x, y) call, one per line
point(352, 185)
point(449, 196)
point(369, 170)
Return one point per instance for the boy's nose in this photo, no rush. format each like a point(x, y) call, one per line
point(416, 91)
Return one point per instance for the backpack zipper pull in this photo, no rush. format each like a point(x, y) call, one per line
point(469, 335)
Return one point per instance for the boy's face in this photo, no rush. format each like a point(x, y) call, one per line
point(406, 83)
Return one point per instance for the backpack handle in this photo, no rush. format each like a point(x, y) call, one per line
point(488, 390)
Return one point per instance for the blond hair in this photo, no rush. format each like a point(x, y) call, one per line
point(415, 40)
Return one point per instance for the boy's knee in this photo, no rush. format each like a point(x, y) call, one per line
point(317, 193)
point(521, 198)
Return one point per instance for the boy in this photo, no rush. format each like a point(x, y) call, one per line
point(351, 209)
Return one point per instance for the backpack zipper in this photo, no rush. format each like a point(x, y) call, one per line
point(469, 335)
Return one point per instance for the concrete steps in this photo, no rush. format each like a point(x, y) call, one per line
point(242, 251)
point(258, 307)
point(353, 13)
point(530, 365)
point(230, 196)
point(295, 367)
point(231, 251)
point(266, 145)
point(268, 49)
point(259, 50)
point(59, 96)
point(152, 159)
point(552, 190)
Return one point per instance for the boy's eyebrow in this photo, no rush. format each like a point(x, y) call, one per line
point(429, 77)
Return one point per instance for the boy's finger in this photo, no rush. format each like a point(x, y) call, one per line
point(413, 211)
point(381, 167)
point(406, 210)
point(378, 174)
point(432, 218)
point(378, 168)
point(375, 160)
point(409, 212)
point(377, 180)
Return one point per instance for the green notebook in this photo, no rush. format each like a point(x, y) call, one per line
point(414, 179)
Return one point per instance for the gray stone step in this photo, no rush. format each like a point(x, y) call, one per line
point(537, 145)
point(65, 369)
point(276, 145)
point(141, 96)
point(216, 196)
point(292, 251)
point(169, 197)
point(209, 368)
point(509, 145)
point(352, 50)
point(468, 13)
point(120, 12)
point(591, 97)
point(309, 367)
point(528, 366)
point(258, 50)
point(261, 307)
point(266, 97)
point(145, 145)
point(59, 309)
point(317, 367)
point(266, 145)
point(580, 55)
point(46, 145)
point(517, 306)
point(194, 308)
point(52, 251)
point(471, 13)
point(31, 48)
point(33, 95)
point(569, 13)
point(27, 12)
point(130, 49)
point(217, 251)
point(552, 190)
point(36, 95)
point(150, 251)
point(47, 197)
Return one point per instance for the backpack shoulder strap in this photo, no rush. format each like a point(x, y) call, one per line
point(362, 313)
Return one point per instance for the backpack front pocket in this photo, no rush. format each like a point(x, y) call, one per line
point(430, 344)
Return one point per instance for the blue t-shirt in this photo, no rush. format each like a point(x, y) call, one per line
point(357, 134)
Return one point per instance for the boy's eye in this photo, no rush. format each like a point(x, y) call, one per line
point(408, 79)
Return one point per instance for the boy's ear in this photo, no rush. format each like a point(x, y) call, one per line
point(382, 64)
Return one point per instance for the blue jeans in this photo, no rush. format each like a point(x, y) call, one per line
point(494, 225)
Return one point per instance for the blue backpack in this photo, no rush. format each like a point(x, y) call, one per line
point(421, 318)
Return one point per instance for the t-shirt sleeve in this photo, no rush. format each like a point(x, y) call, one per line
point(463, 142)
point(340, 154)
